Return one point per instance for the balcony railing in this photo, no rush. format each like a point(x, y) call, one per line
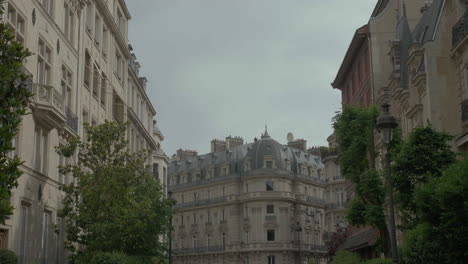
point(72, 119)
point(460, 30)
point(47, 95)
point(202, 202)
point(312, 199)
point(182, 251)
point(465, 110)
point(336, 206)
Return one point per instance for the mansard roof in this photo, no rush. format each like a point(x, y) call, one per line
point(255, 153)
point(379, 7)
point(404, 37)
point(426, 28)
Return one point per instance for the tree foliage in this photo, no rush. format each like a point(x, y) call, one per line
point(114, 203)
point(441, 235)
point(354, 130)
point(13, 105)
point(346, 257)
point(423, 156)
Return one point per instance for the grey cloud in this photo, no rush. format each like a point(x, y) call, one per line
point(227, 67)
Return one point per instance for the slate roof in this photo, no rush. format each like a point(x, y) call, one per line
point(427, 25)
point(403, 35)
point(360, 240)
point(379, 7)
point(255, 152)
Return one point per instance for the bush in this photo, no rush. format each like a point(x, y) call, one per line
point(107, 258)
point(8, 257)
point(377, 261)
point(345, 257)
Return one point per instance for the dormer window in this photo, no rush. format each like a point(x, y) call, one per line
point(225, 171)
point(268, 162)
point(246, 166)
point(288, 165)
point(395, 55)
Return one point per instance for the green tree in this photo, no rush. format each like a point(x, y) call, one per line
point(423, 156)
point(13, 105)
point(441, 204)
point(114, 203)
point(345, 257)
point(354, 130)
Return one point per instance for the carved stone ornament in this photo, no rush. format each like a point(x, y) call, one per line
point(78, 5)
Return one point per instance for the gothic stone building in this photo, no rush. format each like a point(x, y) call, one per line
point(262, 202)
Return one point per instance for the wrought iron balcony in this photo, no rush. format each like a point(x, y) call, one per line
point(465, 110)
point(72, 119)
point(460, 30)
point(182, 251)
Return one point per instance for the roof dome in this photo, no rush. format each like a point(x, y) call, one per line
point(266, 147)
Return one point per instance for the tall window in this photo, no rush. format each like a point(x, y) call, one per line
point(45, 235)
point(269, 185)
point(269, 164)
point(40, 149)
point(208, 240)
point(48, 6)
point(96, 76)
point(16, 22)
point(44, 60)
point(270, 235)
point(58, 239)
point(24, 218)
point(271, 259)
point(61, 165)
point(89, 17)
point(105, 41)
point(223, 240)
point(14, 145)
point(66, 84)
point(270, 209)
point(121, 22)
point(103, 89)
point(118, 66)
point(87, 70)
point(69, 23)
point(97, 30)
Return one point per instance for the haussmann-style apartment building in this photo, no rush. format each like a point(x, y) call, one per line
point(261, 202)
point(82, 70)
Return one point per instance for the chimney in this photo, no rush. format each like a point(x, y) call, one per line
point(218, 145)
point(315, 151)
point(232, 142)
point(183, 154)
point(298, 144)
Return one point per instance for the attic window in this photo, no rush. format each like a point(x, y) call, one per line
point(268, 162)
point(246, 166)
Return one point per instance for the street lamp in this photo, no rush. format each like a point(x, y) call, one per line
point(385, 124)
point(169, 196)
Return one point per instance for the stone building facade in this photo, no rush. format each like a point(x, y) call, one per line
point(429, 85)
point(79, 73)
point(261, 202)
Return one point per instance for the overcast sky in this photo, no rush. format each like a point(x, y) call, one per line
point(228, 67)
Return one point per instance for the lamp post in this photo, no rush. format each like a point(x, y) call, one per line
point(169, 195)
point(385, 124)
